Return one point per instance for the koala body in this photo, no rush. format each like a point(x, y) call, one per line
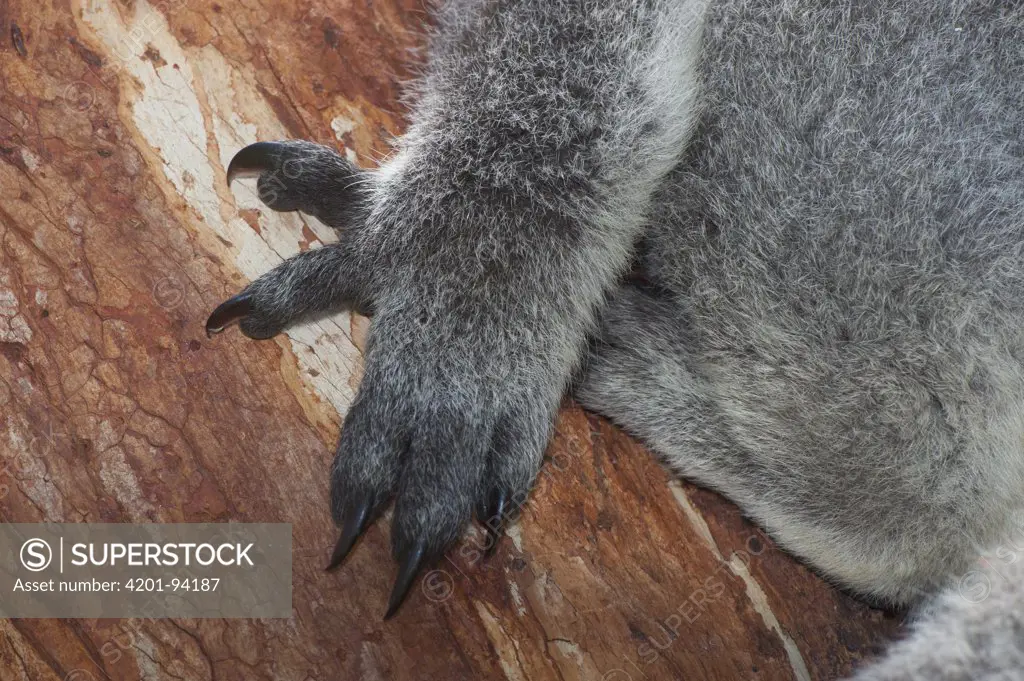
point(824, 208)
point(837, 337)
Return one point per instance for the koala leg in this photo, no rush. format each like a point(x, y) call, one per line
point(641, 374)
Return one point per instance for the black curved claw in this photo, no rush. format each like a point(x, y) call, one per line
point(254, 159)
point(493, 520)
point(409, 564)
point(357, 517)
point(232, 309)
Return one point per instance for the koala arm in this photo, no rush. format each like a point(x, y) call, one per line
point(540, 129)
point(538, 133)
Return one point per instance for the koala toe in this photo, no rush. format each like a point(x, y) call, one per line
point(520, 437)
point(374, 439)
point(437, 490)
point(256, 317)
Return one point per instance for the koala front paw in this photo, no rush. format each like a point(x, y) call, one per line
point(460, 389)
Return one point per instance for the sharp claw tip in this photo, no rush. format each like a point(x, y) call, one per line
point(392, 610)
point(341, 550)
point(235, 169)
point(231, 310)
point(336, 560)
point(356, 520)
point(251, 160)
point(410, 564)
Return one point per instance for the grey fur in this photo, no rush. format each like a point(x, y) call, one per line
point(973, 632)
point(830, 324)
point(488, 242)
point(833, 337)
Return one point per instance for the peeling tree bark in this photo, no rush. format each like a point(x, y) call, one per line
point(118, 236)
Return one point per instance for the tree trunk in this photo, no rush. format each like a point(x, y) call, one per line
point(118, 235)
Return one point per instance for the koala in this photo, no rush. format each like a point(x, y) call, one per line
point(779, 241)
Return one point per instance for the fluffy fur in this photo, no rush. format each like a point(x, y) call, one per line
point(826, 318)
point(486, 244)
point(843, 247)
point(973, 631)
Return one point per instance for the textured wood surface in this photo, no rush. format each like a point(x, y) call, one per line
point(118, 236)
